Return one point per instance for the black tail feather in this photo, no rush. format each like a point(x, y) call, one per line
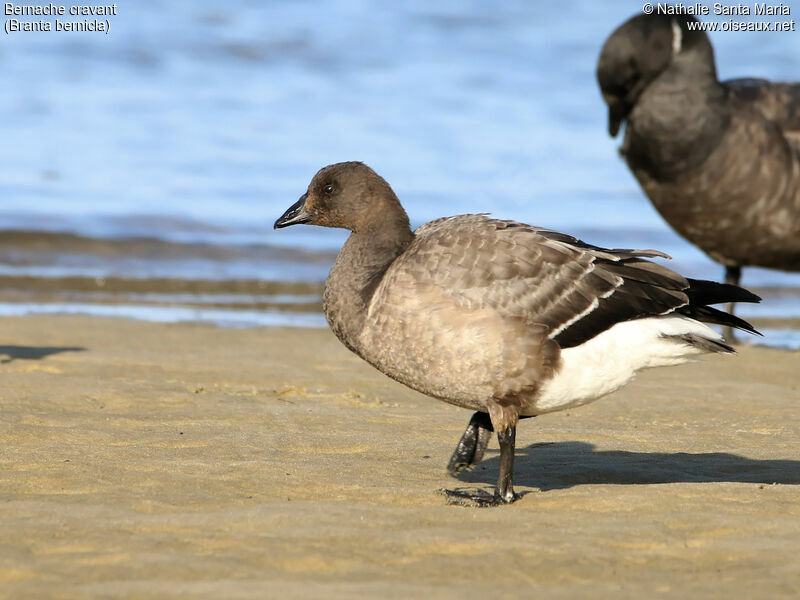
point(702, 292)
point(701, 342)
point(708, 314)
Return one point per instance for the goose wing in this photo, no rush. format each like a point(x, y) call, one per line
point(778, 102)
point(574, 289)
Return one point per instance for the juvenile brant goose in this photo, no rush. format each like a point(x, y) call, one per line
point(720, 161)
point(497, 316)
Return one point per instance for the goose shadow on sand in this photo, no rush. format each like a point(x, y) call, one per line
point(11, 353)
point(561, 465)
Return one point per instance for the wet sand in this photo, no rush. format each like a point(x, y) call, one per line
point(147, 460)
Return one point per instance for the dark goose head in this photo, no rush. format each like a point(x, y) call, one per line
point(638, 52)
point(348, 195)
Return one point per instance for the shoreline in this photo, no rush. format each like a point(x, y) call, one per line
point(240, 304)
point(155, 460)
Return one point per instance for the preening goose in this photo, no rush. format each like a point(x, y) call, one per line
point(720, 161)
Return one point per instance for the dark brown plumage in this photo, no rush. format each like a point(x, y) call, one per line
point(720, 161)
point(498, 316)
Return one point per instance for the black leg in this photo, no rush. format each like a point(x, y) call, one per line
point(472, 444)
point(732, 276)
point(504, 492)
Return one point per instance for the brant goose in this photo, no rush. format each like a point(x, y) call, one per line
point(500, 317)
point(720, 161)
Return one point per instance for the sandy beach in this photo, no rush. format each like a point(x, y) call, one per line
point(146, 460)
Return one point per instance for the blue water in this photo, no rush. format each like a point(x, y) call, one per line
point(170, 314)
point(201, 121)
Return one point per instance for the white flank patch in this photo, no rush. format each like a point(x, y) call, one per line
point(610, 360)
point(677, 37)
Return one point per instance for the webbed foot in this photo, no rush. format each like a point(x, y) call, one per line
point(477, 498)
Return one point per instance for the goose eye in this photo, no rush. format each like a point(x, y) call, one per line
point(328, 189)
